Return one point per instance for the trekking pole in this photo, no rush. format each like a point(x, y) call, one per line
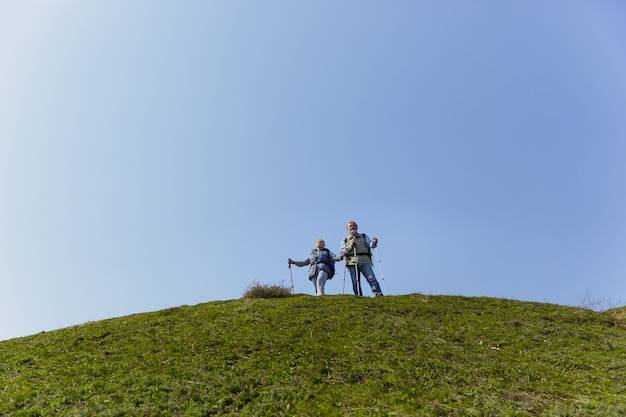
point(381, 270)
point(291, 278)
point(345, 266)
point(358, 273)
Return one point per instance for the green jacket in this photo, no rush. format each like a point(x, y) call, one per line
point(363, 246)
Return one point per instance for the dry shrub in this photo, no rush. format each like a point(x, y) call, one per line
point(258, 290)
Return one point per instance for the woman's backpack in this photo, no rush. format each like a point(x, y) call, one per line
point(325, 258)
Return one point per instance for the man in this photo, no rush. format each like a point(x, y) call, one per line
point(357, 247)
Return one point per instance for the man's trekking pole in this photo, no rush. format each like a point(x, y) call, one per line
point(358, 273)
point(381, 271)
point(345, 266)
point(291, 278)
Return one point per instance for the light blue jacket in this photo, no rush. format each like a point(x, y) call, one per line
point(315, 262)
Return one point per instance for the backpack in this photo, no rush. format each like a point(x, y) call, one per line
point(328, 260)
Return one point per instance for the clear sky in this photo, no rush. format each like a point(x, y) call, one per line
point(163, 153)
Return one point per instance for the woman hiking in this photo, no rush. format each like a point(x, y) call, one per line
point(321, 263)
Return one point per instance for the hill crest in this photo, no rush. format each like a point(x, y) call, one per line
point(333, 355)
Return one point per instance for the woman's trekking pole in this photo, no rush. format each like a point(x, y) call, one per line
point(291, 278)
point(381, 271)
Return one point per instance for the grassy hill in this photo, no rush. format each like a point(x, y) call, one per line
point(410, 355)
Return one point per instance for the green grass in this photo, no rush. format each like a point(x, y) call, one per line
point(407, 355)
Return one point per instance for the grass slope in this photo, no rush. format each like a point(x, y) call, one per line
point(407, 355)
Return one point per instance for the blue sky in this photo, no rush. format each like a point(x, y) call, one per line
point(156, 153)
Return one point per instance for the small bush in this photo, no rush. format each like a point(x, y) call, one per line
point(258, 290)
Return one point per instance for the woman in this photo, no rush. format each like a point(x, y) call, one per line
point(322, 265)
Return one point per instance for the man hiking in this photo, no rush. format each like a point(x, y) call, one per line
point(357, 247)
